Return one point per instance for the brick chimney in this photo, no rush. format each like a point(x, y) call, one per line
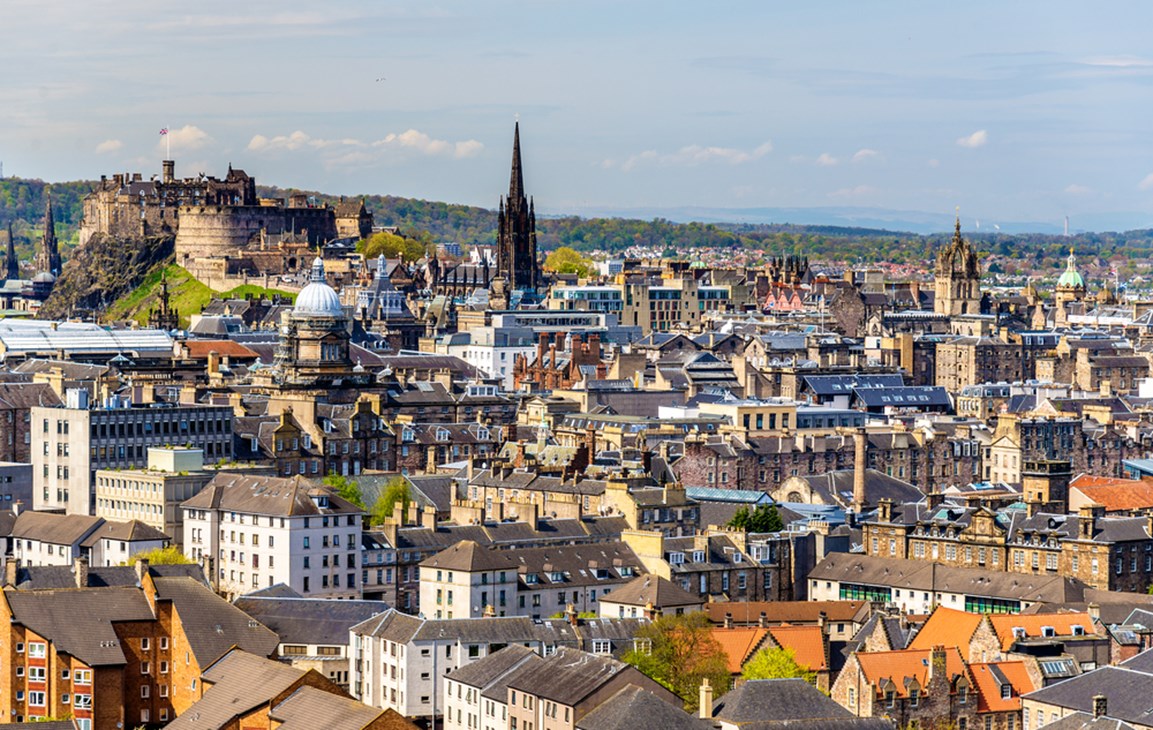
point(860, 463)
point(141, 570)
point(11, 571)
point(937, 666)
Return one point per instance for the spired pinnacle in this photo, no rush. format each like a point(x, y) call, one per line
point(516, 180)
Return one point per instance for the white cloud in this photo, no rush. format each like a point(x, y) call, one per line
point(108, 145)
point(1147, 183)
point(976, 139)
point(1120, 61)
point(692, 155)
point(184, 139)
point(411, 139)
point(826, 160)
point(1075, 189)
point(934, 162)
point(865, 154)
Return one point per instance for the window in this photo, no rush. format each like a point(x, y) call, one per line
point(82, 701)
point(163, 643)
point(36, 674)
point(145, 667)
point(914, 697)
point(36, 698)
point(82, 676)
point(144, 691)
point(602, 646)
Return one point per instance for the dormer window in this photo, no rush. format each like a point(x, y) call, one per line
point(737, 557)
point(1006, 691)
point(327, 426)
point(1018, 632)
point(442, 434)
point(530, 578)
point(556, 576)
point(407, 435)
point(482, 434)
point(676, 558)
point(1048, 631)
point(1078, 630)
point(698, 556)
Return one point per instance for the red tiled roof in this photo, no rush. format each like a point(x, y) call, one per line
point(899, 665)
point(989, 686)
point(199, 349)
point(1033, 624)
point(806, 642)
point(947, 627)
point(1115, 495)
point(739, 644)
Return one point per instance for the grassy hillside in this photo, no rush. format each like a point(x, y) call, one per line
point(185, 294)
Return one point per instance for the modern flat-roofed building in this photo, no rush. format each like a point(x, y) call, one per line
point(70, 444)
point(153, 495)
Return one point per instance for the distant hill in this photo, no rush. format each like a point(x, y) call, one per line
point(873, 241)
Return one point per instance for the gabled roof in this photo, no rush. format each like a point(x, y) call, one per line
point(897, 666)
point(485, 672)
point(739, 644)
point(240, 682)
point(780, 700)
point(309, 620)
point(570, 676)
point(947, 627)
point(267, 495)
point(309, 708)
point(633, 708)
point(131, 531)
point(1007, 626)
point(79, 622)
point(469, 556)
point(54, 528)
point(806, 643)
point(652, 590)
point(213, 625)
point(989, 679)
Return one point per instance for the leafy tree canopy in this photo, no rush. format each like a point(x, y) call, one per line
point(566, 260)
point(776, 663)
point(765, 518)
point(170, 555)
point(392, 246)
point(395, 492)
point(679, 652)
point(346, 488)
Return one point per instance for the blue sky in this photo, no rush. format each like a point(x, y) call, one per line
point(1025, 111)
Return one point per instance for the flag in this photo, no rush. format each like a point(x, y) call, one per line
point(164, 131)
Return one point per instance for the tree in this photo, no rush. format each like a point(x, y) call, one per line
point(392, 246)
point(679, 652)
point(396, 490)
point(765, 518)
point(776, 663)
point(566, 260)
point(346, 488)
point(170, 555)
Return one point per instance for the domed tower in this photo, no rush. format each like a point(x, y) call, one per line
point(1070, 289)
point(957, 279)
point(315, 339)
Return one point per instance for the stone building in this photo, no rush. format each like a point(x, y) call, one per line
point(957, 278)
point(516, 256)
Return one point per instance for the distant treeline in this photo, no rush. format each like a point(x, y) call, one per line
point(23, 202)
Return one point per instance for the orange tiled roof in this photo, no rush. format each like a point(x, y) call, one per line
point(989, 687)
point(1062, 624)
point(807, 643)
point(898, 665)
point(199, 349)
point(1116, 495)
point(947, 627)
point(739, 644)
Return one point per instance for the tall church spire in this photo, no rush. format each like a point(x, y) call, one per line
point(516, 179)
point(516, 258)
point(48, 258)
point(13, 264)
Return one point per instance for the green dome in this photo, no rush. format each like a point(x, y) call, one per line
point(1070, 279)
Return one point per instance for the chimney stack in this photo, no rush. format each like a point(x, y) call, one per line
point(1100, 706)
point(141, 570)
point(570, 614)
point(705, 712)
point(11, 571)
point(728, 621)
point(80, 571)
point(763, 621)
point(860, 462)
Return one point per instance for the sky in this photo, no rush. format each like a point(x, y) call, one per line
point(1009, 111)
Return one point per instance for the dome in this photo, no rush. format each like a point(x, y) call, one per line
point(1070, 279)
point(318, 298)
point(43, 278)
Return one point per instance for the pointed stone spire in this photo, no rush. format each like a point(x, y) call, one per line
point(516, 180)
point(48, 258)
point(13, 269)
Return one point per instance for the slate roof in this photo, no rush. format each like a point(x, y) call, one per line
point(488, 670)
point(1126, 690)
point(49, 577)
point(567, 677)
point(469, 556)
point(309, 620)
point(633, 708)
point(791, 612)
point(240, 682)
point(266, 495)
point(131, 531)
point(655, 590)
point(79, 622)
point(309, 708)
point(54, 528)
point(783, 700)
point(213, 625)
